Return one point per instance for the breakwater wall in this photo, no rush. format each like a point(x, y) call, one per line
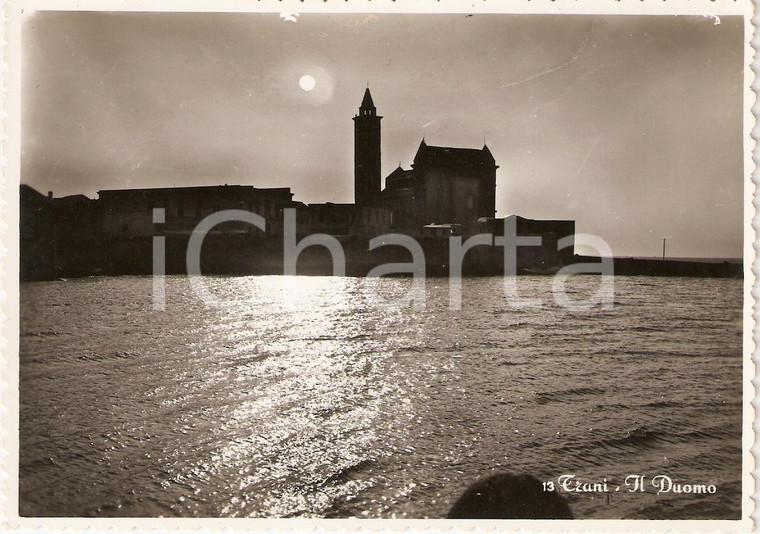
point(238, 255)
point(657, 267)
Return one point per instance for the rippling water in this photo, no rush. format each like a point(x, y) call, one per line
point(325, 403)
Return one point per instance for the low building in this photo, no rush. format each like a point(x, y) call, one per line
point(59, 237)
point(343, 220)
point(129, 212)
point(544, 256)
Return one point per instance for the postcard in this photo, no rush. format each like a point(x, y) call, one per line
point(378, 266)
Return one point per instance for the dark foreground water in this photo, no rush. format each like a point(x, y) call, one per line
point(336, 406)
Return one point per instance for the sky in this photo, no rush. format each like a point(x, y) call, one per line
point(629, 125)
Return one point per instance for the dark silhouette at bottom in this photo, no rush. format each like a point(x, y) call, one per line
point(507, 496)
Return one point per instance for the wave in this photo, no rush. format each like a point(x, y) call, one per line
point(641, 438)
point(42, 333)
point(566, 395)
point(348, 472)
point(414, 349)
point(116, 355)
point(333, 338)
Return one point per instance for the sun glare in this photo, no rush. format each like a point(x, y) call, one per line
point(307, 82)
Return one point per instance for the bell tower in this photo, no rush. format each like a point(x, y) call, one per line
point(367, 153)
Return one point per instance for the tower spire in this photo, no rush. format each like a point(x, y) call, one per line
point(367, 104)
point(367, 153)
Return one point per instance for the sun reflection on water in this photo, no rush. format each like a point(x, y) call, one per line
point(310, 377)
point(338, 406)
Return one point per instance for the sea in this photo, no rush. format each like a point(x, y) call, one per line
point(331, 397)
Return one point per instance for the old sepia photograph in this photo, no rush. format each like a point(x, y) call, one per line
point(382, 266)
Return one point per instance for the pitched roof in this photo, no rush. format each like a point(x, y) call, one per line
point(453, 156)
point(399, 178)
point(399, 173)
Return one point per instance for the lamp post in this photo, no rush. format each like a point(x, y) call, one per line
point(663, 246)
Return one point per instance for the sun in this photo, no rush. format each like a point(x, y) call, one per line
point(307, 82)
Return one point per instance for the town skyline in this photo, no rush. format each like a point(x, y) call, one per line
point(155, 100)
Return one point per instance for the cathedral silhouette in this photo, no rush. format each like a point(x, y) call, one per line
point(445, 185)
point(448, 192)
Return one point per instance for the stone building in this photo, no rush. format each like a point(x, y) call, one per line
point(447, 192)
point(444, 186)
point(345, 220)
point(129, 212)
point(58, 236)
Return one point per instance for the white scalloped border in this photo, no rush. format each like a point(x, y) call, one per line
point(9, 275)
